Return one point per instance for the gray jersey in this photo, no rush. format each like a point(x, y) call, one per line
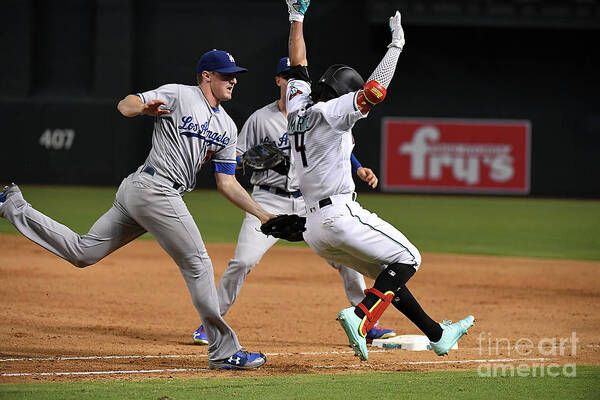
point(182, 142)
point(192, 134)
point(322, 141)
point(267, 124)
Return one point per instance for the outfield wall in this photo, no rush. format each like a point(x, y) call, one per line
point(67, 64)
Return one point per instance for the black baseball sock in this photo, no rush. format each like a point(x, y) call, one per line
point(408, 305)
point(391, 278)
point(394, 278)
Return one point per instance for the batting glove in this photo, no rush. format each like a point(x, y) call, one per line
point(297, 9)
point(397, 31)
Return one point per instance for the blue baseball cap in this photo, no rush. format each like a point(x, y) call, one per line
point(283, 65)
point(219, 61)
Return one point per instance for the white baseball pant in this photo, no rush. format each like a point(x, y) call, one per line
point(253, 244)
point(346, 233)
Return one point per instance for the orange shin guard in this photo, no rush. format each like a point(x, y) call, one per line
point(372, 316)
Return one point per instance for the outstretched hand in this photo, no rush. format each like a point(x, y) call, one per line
point(153, 108)
point(397, 31)
point(367, 175)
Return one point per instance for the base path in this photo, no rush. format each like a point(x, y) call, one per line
point(131, 317)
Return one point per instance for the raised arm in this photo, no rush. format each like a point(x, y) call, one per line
point(296, 44)
point(376, 87)
point(385, 69)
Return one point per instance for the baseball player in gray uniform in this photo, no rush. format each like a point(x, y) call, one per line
point(191, 128)
point(278, 194)
point(320, 119)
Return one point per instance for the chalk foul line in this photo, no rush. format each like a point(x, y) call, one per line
point(479, 361)
point(170, 370)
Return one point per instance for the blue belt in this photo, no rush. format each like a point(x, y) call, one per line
point(152, 171)
point(281, 192)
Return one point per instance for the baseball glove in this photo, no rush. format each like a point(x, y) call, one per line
point(266, 156)
point(285, 226)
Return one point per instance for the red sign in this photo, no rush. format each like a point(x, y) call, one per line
point(455, 156)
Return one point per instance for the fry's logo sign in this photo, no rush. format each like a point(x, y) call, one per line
point(455, 156)
point(463, 159)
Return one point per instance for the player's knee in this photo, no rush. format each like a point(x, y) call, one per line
point(400, 273)
point(411, 256)
point(335, 265)
point(82, 261)
point(417, 262)
point(242, 266)
point(196, 263)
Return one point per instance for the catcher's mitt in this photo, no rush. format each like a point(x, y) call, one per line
point(266, 156)
point(285, 226)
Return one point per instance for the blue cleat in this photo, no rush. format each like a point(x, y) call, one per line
point(6, 191)
point(200, 336)
point(379, 333)
point(451, 334)
point(240, 360)
point(351, 324)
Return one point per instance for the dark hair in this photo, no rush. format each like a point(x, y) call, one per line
point(284, 74)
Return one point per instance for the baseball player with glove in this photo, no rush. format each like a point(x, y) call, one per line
point(320, 119)
point(191, 128)
point(263, 146)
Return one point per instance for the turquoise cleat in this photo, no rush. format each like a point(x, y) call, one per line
point(451, 334)
point(351, 324)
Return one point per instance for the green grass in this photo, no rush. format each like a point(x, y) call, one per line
point(79, 207)
point(399, 385)
point(528, 227)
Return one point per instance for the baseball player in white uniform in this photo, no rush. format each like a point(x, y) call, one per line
point(320, 119)
point(278, 194)
point(191, 128)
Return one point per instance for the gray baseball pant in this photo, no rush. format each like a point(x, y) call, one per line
point(143, 203)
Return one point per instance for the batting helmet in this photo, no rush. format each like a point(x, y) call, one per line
point(340, 79)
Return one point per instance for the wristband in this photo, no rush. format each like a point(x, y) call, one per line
point(355, 163)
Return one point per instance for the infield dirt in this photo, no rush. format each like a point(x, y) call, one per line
point(135, 303)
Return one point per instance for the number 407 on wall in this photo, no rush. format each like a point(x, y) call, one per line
point(57, 139)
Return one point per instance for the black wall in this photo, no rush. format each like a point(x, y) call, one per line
point(67, 63)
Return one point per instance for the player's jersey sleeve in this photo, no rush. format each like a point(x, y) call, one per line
point(297, 95)
point(342, 113)
point(246, 138)
point(224, 159)
point(167, 93)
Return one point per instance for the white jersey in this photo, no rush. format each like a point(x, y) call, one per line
point(268, 124)
point(321, 141)
point(192, 134)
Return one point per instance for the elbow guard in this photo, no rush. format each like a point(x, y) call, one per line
point(372, 93)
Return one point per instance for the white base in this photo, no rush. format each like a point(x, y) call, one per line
point(406, 342)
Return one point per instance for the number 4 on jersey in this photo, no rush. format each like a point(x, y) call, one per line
point(299, 145)
point(298, 127)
